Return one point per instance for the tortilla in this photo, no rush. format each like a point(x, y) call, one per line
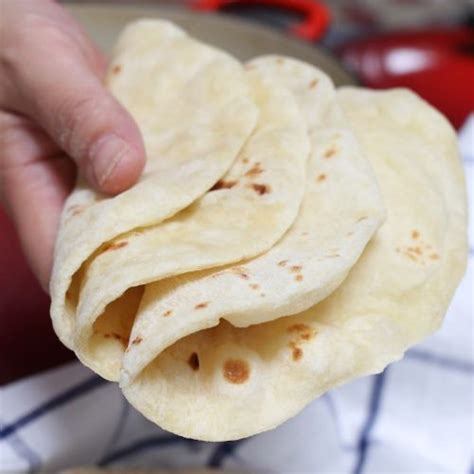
point(341, 210)
point(225, 383)
point(252, 207)
point(193, 106)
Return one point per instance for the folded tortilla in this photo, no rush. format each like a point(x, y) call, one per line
point(230, 382)
point(194, 108)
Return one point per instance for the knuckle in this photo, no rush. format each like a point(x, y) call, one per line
point(79, 120)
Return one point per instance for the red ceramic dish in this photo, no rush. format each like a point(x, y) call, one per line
point(438, 64)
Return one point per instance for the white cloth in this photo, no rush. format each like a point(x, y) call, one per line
point(415, 417)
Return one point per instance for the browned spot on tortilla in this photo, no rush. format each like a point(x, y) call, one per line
point(434, 256)
point(280, 60)
point(236, 371)
point(254, 286)
point(415, 234)
point(321, 177)
point(304, 234)
point(193, 361)
point(168, 312)
point(349, 234)
point(222, 184)
point(137, 340)
point(298, 327)
point(299, 277)
point(255, 170)
point(262, 295)
point(363, 218)
point(115, 245)
point(250, 66)
point(313, 83)
point(297, 353)
point(260, 188)
point(245, 160)
point(282, 263)
point(69, 294)
point(203, 305)
point(411, 257)
point(295, 268)
point(302, 331)
point(240, 271)
point(330, 152)
point(117, 69)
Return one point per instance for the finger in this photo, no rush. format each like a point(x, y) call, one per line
point(33, 188)
point(56, 86)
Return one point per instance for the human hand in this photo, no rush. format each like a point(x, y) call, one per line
point(55, 115)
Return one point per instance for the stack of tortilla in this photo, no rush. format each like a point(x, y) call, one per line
point(285, 237)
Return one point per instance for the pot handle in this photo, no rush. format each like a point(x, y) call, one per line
point(312, 28)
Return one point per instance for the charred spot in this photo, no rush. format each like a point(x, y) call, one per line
point(260, 189)
point(415, 234)
point(245, 160)
point(236, 371)
point(330, 152)
point(434, 256)
point(255, 170)
point(137, 340)
point(203, 305)
point(115, 245)
point(321, 177)
point(193, 361)
point(167, 313)
point(297, 353)
point(313, 83)
point(223, 184)
point(254, 286)
point(298, 277)
point(295, 268)
point(282, 263)
point(117, 69)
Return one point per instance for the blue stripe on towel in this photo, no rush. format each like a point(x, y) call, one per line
point(374, 407)
point(24, 451)
point(78, 390)
point(222, 452)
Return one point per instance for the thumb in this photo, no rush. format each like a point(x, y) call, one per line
point(58, 88)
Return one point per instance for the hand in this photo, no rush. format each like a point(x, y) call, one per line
point(54, 115)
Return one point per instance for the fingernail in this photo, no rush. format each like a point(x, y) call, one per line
point(105, 155)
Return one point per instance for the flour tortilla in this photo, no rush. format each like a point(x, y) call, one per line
point(341, 210)
point(226, 383)
point(259, 201)
point(193, 106)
